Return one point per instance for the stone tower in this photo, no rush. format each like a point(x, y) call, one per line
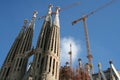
point(5, 70)
point(20, 62)
point(47, 53)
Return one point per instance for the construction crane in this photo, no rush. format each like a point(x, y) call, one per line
point(63, 9)
point(89, 55)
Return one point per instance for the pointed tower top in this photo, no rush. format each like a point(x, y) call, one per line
point(48, 17)
point(50, 9)
point(80, 63)
point(57, 9)
point(34, 14)
point(110, 61)
point(23, 28)
point(31, 24)
point(80, 60)
point(99, 65)
point(67, 64)
point(25, 22)
point(56, 20)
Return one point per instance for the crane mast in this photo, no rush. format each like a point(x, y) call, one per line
point(89, 55)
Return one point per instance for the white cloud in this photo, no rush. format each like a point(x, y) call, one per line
point(65, 48)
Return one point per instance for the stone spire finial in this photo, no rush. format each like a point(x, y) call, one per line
point(80, 62)
point(110, 61)
point(99, 65)
point(34, 14)
point(67, 64)
point(87, 66)
point(31, 24)
point(56, 20)
point(25, 22)
point(50, 9)
point(57, 9)
point(48, 16)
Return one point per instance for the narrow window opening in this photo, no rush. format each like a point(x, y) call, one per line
point(53, 67)
point(42, 61)
point(52, 40)
point(7, 71)
point(55, 50)
point(43, 38)
point(46, 63)
point(39, 57)
point(56, 69)
point(4, 72)
point(20, 62)
point(16, 64)
point(50, 64)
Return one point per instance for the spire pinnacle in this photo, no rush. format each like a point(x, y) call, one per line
point(99, 65)
point(67, 64)
point(25, 23)
point(35, 14)
point(56, 20)
point(23, 27)
point(33, 19)
point(57, 10)
point(48, 16)
point(80, 63)
point(50, 9)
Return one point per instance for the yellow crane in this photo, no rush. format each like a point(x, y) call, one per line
point(89, 55)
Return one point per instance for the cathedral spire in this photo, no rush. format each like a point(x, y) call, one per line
point(56, 19)
point(31, 25)
point(8, 63)
point(45, 29)
point(20, 62)
point(46, 60)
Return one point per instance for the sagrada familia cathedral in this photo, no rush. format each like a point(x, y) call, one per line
point(46, 61)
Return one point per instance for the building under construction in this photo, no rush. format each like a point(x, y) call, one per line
point(46, 61)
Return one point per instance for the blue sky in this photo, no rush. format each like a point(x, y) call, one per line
point(103, 26)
